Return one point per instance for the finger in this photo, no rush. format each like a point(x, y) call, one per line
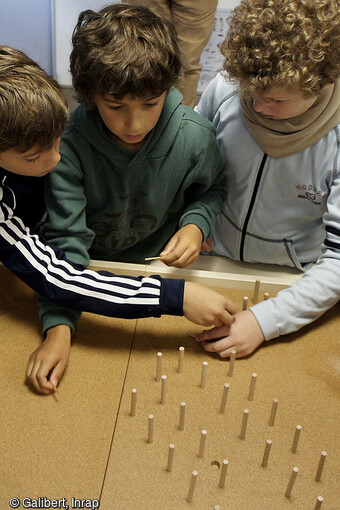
point(45, 386)
point(57, 373)
point(169, 247)
point(29, 367)
point(213, 334)
point(230, 306)
point(218, 346)
point(227, 353)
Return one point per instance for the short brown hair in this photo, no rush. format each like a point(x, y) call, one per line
point(284, 43)
point(123, 50)
point(33, 110)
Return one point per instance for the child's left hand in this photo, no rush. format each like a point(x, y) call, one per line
point(243, 334)
point(183, 248)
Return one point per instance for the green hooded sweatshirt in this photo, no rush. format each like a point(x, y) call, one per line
point(108, 203)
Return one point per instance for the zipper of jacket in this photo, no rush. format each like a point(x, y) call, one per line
point(251, 205)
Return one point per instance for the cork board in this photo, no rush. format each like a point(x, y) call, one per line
point(88, 446)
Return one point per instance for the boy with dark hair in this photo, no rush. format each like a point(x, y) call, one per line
point(276, 109)
point(32, 117)
point(140, 174)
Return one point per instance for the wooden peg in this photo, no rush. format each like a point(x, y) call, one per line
point(298, 429)
point(204, 375)
point(202, 443)
point(181, 351)
point(182, 416)
point(232, 362)
point(256, 292)
point(192, 486)
point(159, 367)
point(320, 466)
point(245, 303)
point(273, 412)
point(223, 475)
point(151, 428)
point(224, 398)
point(318, 503)
point(170, 457)
point(133, 402)
point(252, 386)
point(291, 482)
point(266, 296)
point(244, 423)
point(164, 389)
point(266, 453)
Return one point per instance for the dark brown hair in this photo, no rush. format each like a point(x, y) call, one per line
point(33, 110)
point(123, 50)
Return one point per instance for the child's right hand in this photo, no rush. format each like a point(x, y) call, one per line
point(206, 307)
point(47, 363)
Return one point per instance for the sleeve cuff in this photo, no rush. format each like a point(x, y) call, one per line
point(265, 317)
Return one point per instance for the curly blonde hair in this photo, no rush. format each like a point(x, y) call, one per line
point(284, 43)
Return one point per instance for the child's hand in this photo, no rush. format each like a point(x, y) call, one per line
point(243, 334)
point(206, 307)
point(183, 248)
point(48, 362)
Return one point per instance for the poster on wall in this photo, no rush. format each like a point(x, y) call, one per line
point(211, 58)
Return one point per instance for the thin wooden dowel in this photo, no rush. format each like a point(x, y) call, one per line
point(266, 453)
point(318, 503)
point(298, 429)
point(224, 398)
point(192, 486)
point(232, 362)
point(204, 375)
point(223, 475)
point(181, 351)
point(256, 292)
point(203, 441)
point(244, 423)
point(245, 303)
point(182, 416)
point(273, 412)
point(133, 402)
point(151, 428)
point(320, 466)
point(291, 482)
point(171, 454)
point(252, 387)
point(164, 389)
point(266, 296)
point(152, 258)
point(159, 366)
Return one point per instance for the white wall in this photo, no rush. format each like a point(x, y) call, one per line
point(27, 26)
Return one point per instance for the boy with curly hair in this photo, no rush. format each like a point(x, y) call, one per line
point(276, 109)
point(140, 174)
point(32, 117)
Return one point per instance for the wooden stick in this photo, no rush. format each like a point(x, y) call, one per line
point(245, 303)
point(318, 503)
point(170, 457)
point(182, 416)
point(151, 428)
point(266, 453)
point(181, 351)
point(192, 486)
point(217, 507)
point(133, 402)
point(291, 482)
point(224, 398)
point(256, 292)
point(202, 443)
point(223, 475)
point(164, 388)
point(244, 423)
point(232, 362)
point(266, 296)
point(273, 412)
point(298, 429)
point(252, 387)
point(204, 375)
point(152, 258)
point(320, 466)
point(159, 366)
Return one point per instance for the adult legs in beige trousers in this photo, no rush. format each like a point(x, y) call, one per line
point(194, 21)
